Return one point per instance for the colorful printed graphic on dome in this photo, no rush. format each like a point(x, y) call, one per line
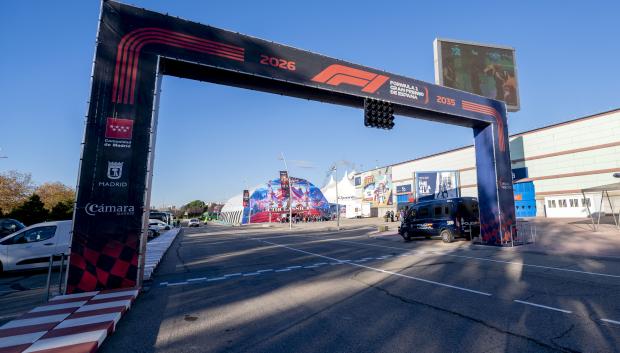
point(270, 202)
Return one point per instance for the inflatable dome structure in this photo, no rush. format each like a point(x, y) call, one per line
point(268, 203)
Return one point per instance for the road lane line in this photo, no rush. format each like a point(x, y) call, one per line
point(611, 321)
point(233, 274)
point(294, 267)
point(283, 270)
point(380, 270)
point(216, 279)
point(250, 274)
point(267, 270)
point(197, 279)
point(177, 284)
point(481, 259)
point(543, 306)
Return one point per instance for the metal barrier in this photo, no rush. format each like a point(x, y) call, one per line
point(61, 272)
point(475, 238)
point(522, 233)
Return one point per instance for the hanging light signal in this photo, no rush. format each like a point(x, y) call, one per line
point(378, 114)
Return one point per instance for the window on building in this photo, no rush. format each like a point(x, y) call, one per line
point(586, 203)
point(551, 203)
point(562, 203)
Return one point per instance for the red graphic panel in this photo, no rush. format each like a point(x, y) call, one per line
point(119, 129)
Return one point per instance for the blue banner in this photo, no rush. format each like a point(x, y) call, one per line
point(401, 189)
point(436, 185)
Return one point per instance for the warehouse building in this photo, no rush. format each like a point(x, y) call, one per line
point(553, 167)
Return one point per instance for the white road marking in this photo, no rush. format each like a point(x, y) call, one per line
point(292, 267)
point(177, 284)
point(611, 321)
point(283, 270)
point(483, 259)
point(233, 274)
point(311, 266)
point(163, 284)
point(251, 274)
point(380, 270)
point(216, 279)
point(543, 306)
point(267, 270)
point(197, 279)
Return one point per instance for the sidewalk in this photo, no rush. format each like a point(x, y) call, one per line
point(569, 236)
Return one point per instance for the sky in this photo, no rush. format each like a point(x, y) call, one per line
point(214, 141)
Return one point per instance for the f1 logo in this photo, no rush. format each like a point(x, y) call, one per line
point(119, 129)
point(337, 74)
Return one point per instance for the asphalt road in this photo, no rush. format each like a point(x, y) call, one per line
point(22, 291)
point(224, 289)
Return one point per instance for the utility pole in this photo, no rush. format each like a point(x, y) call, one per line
point(335, 169)
point(290, 186)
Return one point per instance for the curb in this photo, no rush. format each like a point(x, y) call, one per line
point(68, 323)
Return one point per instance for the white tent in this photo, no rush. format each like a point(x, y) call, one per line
point(346, 194)
point(232, 211)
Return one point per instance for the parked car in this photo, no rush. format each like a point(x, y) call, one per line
point(448, 218)
point(9, 226)
point(194, 222)
point(159, 225)
point(31, 247)
point(152, 232)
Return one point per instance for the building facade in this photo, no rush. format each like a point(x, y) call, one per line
point(551, 166)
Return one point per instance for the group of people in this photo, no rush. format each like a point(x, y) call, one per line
point(298, 218)
point(391, 216)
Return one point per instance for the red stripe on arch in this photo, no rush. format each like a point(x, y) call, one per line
point(132, 43)
point(137, 46)
point(134, 46)
point(128, 42)
point(130, 79)
point(484, 109)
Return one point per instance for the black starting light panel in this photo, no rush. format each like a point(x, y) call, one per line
point(378, 114)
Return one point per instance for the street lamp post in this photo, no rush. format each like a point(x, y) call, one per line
point(335, 169)
point(290, 202)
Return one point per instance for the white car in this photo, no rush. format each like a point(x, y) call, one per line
point(32, 246)
point(159, 225)
point(194, 222)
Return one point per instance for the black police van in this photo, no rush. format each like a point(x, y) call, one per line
point(447, 218)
